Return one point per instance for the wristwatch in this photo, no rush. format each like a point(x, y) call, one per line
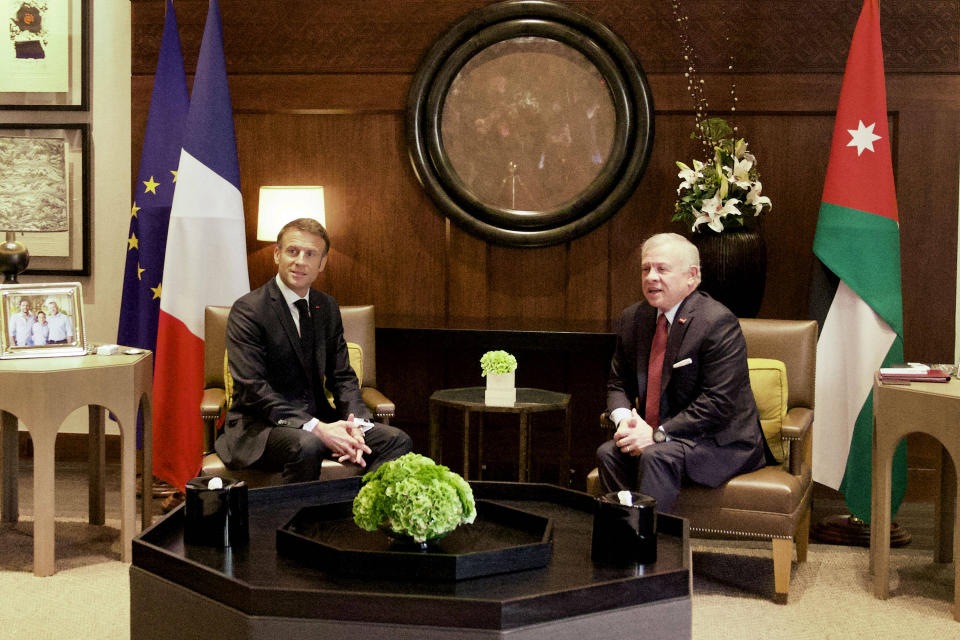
point(659, 435)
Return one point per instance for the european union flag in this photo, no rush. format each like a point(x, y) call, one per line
point(153, 193)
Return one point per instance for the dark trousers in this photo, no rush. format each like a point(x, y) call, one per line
point(663, 467)
point(299, 454)
point(660, 467)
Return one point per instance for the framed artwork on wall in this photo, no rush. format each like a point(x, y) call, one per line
point(42, 320)
point(44, 48)
point(529, 123)
point(45, 194)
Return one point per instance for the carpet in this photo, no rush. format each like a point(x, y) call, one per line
point(831, 595)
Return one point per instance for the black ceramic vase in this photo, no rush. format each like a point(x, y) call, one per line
point(734, 268)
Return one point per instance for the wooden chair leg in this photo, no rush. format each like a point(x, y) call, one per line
point(802, 536)
point(782, 557)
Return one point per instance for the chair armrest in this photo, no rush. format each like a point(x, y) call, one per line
point(211, 407)
point(797, 423)
point(211, 404)
point(606, 423)
point(381, 406)
point(797, 427)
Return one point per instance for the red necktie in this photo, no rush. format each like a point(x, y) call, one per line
point(655, 372)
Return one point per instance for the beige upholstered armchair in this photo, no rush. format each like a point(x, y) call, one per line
point(358, 330)
point(774, 502)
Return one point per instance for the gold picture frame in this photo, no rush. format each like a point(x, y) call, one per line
point(42, 320)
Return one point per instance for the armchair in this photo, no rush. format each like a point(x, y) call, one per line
point(358, 329)
point(774, 502)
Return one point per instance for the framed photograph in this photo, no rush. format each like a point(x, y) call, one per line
point(42, 320)
point(43, 54)
point(44, 194)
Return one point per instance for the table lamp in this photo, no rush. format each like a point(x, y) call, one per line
point(280, 205)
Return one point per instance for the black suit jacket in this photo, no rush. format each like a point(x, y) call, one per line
point(273, 386)
point(705, 395)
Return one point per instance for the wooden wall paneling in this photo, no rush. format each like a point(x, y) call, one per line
point(588, 281)
point(927, 169)
point(325, 93)
point(467, 259)
point(792, 154)
point(527, 287)
point(378, 36)
point(382, 253)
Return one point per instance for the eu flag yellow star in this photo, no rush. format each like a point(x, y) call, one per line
point(174, 175)
point(133, 211)
point(157, 290)
point(132, 242)
point(151, 186)
point(139, 271)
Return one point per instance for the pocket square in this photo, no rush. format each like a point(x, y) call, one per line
point(682, 363)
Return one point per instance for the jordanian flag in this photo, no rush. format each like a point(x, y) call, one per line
point(858, 240)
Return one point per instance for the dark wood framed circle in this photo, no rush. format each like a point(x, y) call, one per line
point(524, 33)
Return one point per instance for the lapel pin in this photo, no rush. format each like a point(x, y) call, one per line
point(682, 320)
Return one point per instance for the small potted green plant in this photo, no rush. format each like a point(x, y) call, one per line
point(498, 368)
point(413, 499)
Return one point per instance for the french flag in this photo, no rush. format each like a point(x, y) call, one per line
point(205, 262)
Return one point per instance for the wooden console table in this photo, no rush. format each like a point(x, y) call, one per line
point(42, 392)
point(927, 407)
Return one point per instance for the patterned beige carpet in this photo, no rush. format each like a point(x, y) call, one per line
point(88, 597)
point(830, 595)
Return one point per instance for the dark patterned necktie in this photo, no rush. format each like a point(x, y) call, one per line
point(655, 373)
point(306, 328)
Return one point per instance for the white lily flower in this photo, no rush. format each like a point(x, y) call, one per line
point(757, 201)
point(713, 210)
point(689, 176)
point(740, 173)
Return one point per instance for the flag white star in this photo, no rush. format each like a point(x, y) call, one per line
point(862, 137)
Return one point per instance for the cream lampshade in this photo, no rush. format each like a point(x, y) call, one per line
point(280, 205)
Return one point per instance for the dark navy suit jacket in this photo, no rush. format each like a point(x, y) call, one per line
point(273, 386)
point(705, 398)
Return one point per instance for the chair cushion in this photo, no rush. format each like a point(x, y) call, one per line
point(768, 379)
point(769, 489)
point(354, 352)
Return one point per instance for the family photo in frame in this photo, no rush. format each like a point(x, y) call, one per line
point(42, 320)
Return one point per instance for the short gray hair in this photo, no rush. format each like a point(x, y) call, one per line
point(691, 255)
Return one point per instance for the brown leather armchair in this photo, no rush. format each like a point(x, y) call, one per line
point(358, 327)
point(774, 502)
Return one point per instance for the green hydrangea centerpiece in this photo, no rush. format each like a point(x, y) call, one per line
point(414, 496)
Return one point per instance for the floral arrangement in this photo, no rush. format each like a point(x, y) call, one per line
point(413, 496)
point(497, 362)
point(719, 193)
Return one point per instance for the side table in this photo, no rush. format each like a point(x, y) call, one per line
point(927, 407)
point(470, 401)
point(42, 392)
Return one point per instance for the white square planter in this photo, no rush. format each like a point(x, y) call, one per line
point(501, 391)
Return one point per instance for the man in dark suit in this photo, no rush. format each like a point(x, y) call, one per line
point(703, 425)
point(284, 344)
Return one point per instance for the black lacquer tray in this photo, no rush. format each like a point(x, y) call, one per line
point(501, 540)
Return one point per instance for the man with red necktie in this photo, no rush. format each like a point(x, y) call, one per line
point(681, 357)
